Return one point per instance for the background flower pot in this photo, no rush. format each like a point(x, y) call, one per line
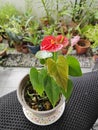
point(25, 49)
point(95, 58)
point(1, 39)
point(39, 117)
point(3, 53)
point(18, 47)
point(33, 49)
point(64, 51)
point(82, 46)
point(3, 49)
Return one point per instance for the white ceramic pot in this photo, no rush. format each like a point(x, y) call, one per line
point(39, 117)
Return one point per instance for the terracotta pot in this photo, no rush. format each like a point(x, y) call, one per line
point(44, 21)
point(95, 58)
point(82, 46)
point(18, 47)
point(64, 51)
point(25, 49)
point(35, 116)
point(1, 39)
point(3, 51)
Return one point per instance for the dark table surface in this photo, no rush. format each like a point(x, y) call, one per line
point(80, 112)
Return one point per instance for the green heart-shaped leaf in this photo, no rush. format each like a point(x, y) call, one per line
point(74, 66)
point(69, 89)
point(52, 90)
point(37, 79)
point(59, 71)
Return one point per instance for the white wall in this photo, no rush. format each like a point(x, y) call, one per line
point(37, 10)
point(20, 5)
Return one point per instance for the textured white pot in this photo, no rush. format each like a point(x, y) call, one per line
point(39, 117)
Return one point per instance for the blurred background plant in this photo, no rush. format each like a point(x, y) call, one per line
point(56, 17)
point(83, 12)
point(7, 11)
point(91, 33)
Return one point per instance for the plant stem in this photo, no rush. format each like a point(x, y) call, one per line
point(55, 56)
point(75, 4)
point(91, 3)
point(57, 8)
point(81, 4)
point(69, 50)
point(46, 10)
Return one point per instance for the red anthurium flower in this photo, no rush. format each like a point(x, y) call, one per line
point(50, 44)
point(62, 40)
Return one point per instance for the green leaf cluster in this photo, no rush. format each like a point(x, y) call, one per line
point(3, 46)
point(91, 32)
point(54, 78)
point(6, 12)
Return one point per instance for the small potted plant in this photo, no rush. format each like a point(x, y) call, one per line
point(15, 36)
point(1, 38)
point(33, 42)
point(43, 91)
point(3, 49)
point(33, 36)
point(82, 46)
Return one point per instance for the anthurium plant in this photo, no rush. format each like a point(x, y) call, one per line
point(54, 77)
